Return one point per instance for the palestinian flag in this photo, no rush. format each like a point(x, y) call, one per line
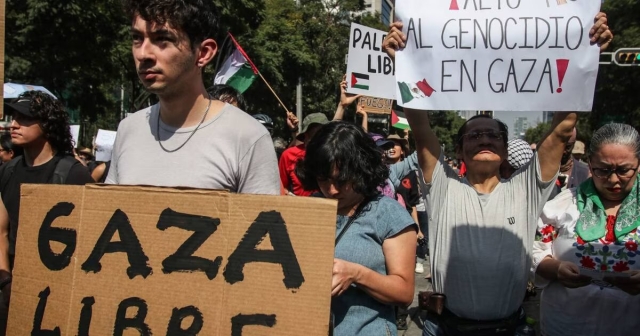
point(411, 91)
point(237, 71)
point(398, 119)
point(359, 81)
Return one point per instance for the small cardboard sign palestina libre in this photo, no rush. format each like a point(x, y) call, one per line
point(115, 260)
point(369, 70)
point(504, 55)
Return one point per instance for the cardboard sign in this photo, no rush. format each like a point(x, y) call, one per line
point(376, 105)
point(115, 260)
point(505, 55)
point(104, 144)
point(369, 70)
point(2, 24)
point(75, 134)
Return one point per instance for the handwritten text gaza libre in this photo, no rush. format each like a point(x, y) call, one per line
point(182, 260)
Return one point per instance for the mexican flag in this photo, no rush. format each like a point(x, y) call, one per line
point(398, 119)
point(411, 91)
point(237, 71)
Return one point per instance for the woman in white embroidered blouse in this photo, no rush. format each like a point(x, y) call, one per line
point(589, 232)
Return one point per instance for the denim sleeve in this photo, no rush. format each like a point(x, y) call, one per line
point(401, 169)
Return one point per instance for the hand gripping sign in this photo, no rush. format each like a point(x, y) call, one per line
point(505, 55)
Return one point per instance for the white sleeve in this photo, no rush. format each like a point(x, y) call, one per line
point(548, 227)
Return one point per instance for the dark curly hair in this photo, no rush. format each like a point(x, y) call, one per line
point(53, 120)
point(347, 148)
point(228, 94)
point(197, 18)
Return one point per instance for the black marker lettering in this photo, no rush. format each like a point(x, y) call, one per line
point(526, 32)
point(50, 259)
point(511, 73)
point(463, 69)
point(556, 45)
point(462, 32)
point(411, 27)
point(506, 33)
point(39, 315)
point(367, 41)
point(183, 259)
point(273, 224)
point(375, 45)
point(513, 6)
point(357, 35)
point(538, 43)
point(129, 243)
point(547, 71)
point(239, 321)
point(477, 29)
point(136, 322)
point(442, 36)
point(501, 89)
point(442, 89)
point(579, 29)
point(175, 328)
point(533, 65)
point(85, 315)
point(474, 4)
point(422, 46)
point(501, 34)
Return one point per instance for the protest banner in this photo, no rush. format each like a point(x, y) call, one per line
point(376, 105)
point(104, 144)
point(504, 55)
point(75, 134)
point(369, 70)
point(117, 260)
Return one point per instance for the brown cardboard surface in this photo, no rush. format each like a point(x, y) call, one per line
point(259, 291)
point(376, 105)
point(2, 24)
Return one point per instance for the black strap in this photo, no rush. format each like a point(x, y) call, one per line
point(352, 219)
point(63, 167)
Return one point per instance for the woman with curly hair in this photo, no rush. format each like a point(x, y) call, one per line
point(41, 127)
point(376, 237)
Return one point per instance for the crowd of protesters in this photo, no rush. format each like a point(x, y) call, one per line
point(498, 215)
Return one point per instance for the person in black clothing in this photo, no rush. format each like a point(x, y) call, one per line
point(7, 149)
point(41, 127)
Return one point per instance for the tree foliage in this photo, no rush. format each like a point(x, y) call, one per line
point(445, 125)
point(535, 134)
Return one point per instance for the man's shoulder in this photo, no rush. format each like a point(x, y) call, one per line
point(241, 123)
point(135, 119)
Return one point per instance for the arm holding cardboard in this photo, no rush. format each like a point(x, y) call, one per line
point(397, 286)
point(5, 266)
point(365, 118)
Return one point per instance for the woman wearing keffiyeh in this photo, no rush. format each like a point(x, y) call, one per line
point(586, 254)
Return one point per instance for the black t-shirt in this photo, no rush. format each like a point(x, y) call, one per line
point(409, 191)
point(78, 175)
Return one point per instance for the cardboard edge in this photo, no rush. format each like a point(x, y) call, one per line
point(151, 188)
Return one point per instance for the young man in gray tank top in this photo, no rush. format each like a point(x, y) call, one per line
point(187, 139)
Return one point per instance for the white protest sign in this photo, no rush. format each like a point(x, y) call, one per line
point(104, 144)
point(369, 70)
point(75, 134)
point(505, 55)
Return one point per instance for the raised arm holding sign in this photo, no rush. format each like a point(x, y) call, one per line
point(483, 279)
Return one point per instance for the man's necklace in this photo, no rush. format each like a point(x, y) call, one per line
point(190, 136)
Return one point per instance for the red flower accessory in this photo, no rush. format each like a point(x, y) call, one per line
point(610, 237)
point(631, 245)
point(620, 266)
point(406, 183)
point(587, 262)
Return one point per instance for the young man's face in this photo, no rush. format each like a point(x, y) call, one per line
point(25, 130)
point(164, 59)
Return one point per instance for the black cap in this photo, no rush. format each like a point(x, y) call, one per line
point(22, 106)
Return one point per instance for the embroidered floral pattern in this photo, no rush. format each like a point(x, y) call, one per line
point(546, 234)
point(609, 256)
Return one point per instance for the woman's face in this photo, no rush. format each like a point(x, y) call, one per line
point(395, 152)
point(614, 169)
point(5, 155)
point(346, 196)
